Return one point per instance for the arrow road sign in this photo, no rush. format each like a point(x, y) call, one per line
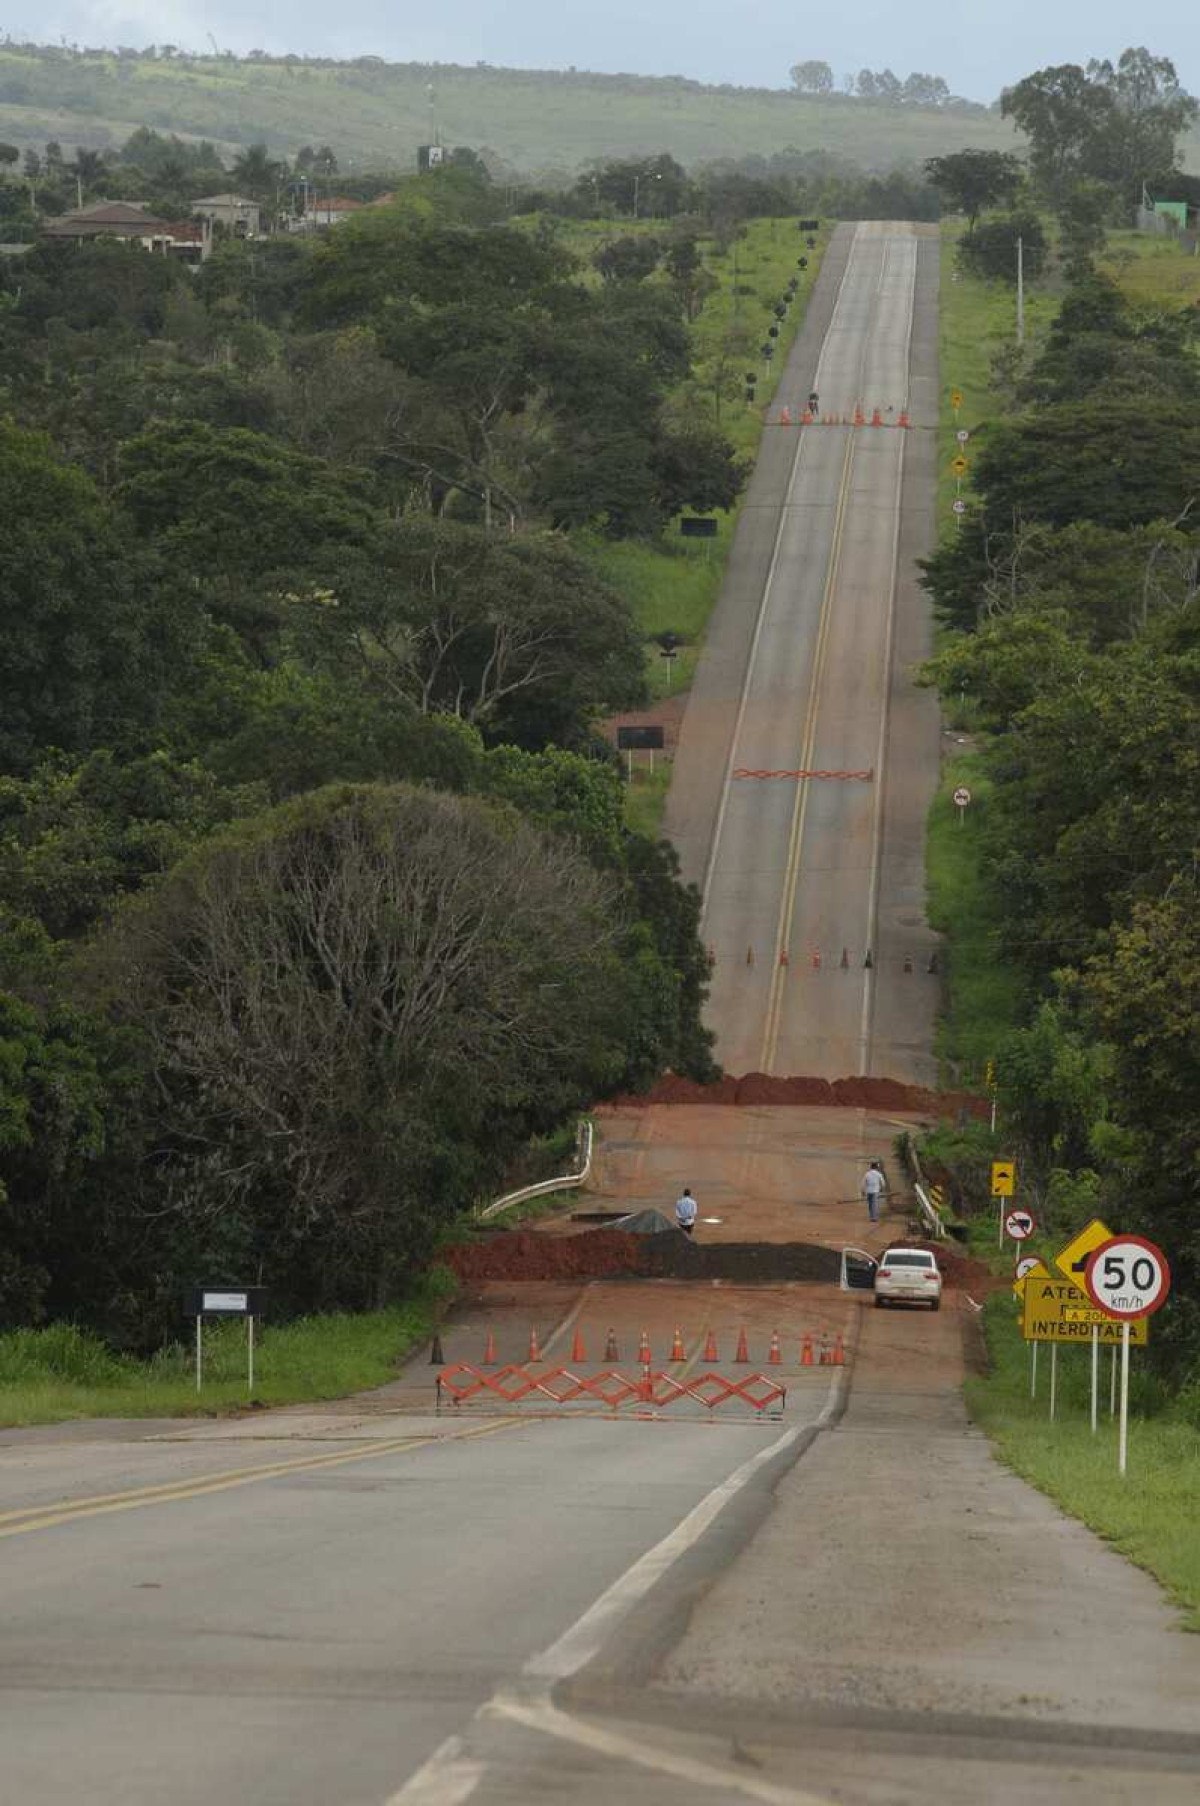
point(1072, 1260)
point(1020, 1225)
point(1004, 1178)
point(1128, 1277)
point(959, 465)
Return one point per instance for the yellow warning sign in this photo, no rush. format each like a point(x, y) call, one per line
point(956, 399)
point(1004, 1178)
point(1072, 1259)
point(1056, 1311)
point(959, 466)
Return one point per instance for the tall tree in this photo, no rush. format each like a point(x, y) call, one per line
point(970, 180)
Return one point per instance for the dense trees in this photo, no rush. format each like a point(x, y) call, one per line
point(1075, 591)
point(971, 180)
point(300, 523)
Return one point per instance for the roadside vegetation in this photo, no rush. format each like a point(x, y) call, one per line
point(60, 1372)
point(1069, 665)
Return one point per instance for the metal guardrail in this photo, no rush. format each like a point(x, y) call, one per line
point(936, 1225)
point(568, 1181)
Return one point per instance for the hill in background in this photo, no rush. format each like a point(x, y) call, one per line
point(377, 113)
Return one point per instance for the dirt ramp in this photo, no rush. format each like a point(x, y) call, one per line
point(759, 1088)
point(610, 1254)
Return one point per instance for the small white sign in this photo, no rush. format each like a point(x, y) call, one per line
point(962, 435)
point(958, 505)
point(962, 796)
point(1026, 1264)
point(236, 1302)
point(1020, 1225)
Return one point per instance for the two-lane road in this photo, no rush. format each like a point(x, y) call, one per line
point(813, 885)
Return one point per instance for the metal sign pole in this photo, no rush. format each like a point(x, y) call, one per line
point(1000, 1244)
point(1095, 1373)
point(1033, 1371)
point(1123, 1433)
point(1112, 1384)
point(250, 1355)
point(199, 1349)
point(1053, 1378)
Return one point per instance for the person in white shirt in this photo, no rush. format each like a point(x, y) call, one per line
point(685, 1210)
point(873, 1187)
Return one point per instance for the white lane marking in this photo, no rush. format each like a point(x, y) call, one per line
point(864, 1028)
point(541, 1715)
point(752, 658)
point(447, 1779)
point(577, 1646)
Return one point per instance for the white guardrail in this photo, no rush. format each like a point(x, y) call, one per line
point(929, 1213)
point(568, 1181)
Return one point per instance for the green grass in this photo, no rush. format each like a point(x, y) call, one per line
point(51, 1375)
point(1150, 1515)
point(984, 995)
point(534, 119)
point(1151, 271)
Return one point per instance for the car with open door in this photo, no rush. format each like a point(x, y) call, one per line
point(908, 1276)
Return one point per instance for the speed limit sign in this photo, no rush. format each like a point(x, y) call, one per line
point(1127, 1277)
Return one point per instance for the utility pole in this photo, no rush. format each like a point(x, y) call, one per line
point(1020, 291)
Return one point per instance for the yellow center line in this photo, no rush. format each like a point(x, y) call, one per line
point(46, 1517)
point(800, 806)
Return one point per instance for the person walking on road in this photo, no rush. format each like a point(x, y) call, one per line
point(685, 1210)
point(873, 1187)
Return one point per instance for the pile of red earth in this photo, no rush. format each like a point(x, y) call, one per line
point(761, 1088)
point(610, 1254)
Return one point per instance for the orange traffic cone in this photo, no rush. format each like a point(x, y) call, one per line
point(489, 1351)
point(806, 419)
point(806, 1350)
point(611, 1351)
point(775, 1353)
point(876, 418)
point(904, 419)
point(677, 1348)
point(578, 1351)
point(710, 1347)
point(785, 416)
point(743, 1353)
point(535, 1353)
point(838, 1357)
point(860, 418)
point(644, 1348)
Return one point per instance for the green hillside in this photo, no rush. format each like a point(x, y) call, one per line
point(537, 121)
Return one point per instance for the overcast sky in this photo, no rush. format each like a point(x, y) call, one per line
point(978, 47)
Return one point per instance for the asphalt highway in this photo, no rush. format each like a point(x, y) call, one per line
point(813, 884)
point(301, 1612)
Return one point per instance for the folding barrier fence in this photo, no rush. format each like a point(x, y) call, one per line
point(510, 1385)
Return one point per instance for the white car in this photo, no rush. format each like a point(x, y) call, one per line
point(910, 1276)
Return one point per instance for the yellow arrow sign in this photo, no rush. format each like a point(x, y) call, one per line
point(1004, 1178)
point(959, 466)
point(1072, 1259)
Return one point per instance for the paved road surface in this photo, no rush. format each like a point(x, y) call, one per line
point(310, 1638)
point(809, 669)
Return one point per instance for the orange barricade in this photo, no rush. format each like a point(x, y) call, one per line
point(611, 1388)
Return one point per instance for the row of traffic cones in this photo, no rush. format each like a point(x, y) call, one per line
point(932, 965)
point(808, 418)
point(831, 1354)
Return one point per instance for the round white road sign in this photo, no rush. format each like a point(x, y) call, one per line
point(958, 505)
point(962, 796)
point(1128, 1277)
point(1020, 1225)
point(962, 435)
point(1026, 1264)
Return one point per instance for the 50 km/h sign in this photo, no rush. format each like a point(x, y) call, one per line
point(1127, 1277)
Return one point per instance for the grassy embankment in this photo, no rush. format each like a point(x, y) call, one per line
point(1149, 1516)
point(50, 1375)
point(673, 583)
point(541, 121)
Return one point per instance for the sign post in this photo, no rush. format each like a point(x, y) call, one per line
point(962, 797)
point(1128, 1278)
point(213, 1301)
point(1071, 1262)
point(1004, 1180)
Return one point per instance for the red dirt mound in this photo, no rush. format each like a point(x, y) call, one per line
point(518, 1254)
point(763, 1088)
